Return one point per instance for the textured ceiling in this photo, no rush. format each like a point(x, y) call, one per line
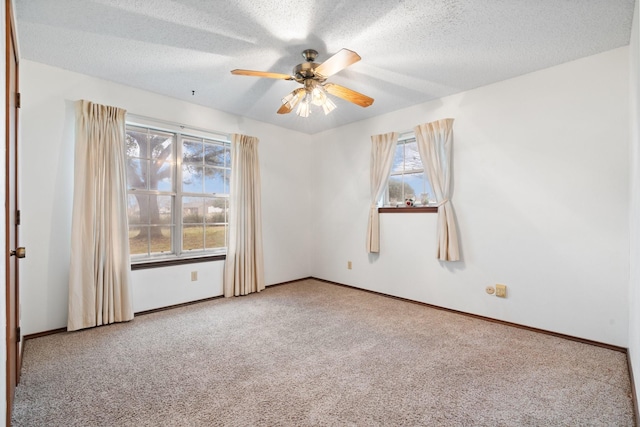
point(412, 51)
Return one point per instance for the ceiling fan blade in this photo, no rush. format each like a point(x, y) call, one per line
point(261, 74)
point(348, 94)
point(285, 109)
point(337, 62)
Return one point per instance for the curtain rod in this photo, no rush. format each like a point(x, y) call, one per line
point(180, 125)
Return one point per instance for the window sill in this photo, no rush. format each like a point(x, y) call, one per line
point(175, 261)
point(423, 209)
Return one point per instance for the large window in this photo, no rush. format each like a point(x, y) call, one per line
point(408, 179)
point(178, 193)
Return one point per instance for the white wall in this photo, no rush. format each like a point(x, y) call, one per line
point(166, 286)
point(541, 194)
point(540, 190)
point(47, 184)
point(634, 215)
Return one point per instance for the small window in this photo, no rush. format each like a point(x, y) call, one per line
point(178, 194)
point(408, 180)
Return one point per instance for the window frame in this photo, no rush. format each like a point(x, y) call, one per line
point(177, 255)
point(384, 204)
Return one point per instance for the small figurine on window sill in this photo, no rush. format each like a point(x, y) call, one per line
point(410, 202)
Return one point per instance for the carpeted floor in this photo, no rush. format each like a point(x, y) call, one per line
point(315, 354)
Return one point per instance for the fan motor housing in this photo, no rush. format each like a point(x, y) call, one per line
point(306, 70)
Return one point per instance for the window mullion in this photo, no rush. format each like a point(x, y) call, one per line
point(177, 240)
point(404, 168)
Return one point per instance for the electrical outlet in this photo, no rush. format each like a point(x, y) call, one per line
point(194, 276)
point(501, 291)
point(349, 265)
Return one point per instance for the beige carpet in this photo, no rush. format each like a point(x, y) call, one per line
point(315, 354)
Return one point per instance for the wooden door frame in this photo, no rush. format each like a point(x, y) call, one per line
point(11, 335)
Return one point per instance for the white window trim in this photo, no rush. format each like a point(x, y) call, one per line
point(403, 138)
point(180, 131)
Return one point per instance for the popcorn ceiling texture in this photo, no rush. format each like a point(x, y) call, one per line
point(412, 51)
point(316, 354)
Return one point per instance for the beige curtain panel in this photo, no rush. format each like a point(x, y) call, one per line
point(244, 264)
point(99, 276)
point(435, 141)
point(382, 149)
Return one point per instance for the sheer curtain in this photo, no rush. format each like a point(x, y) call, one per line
point(382, 149)
point(435, 140)
point(99, 276)
point(244, 265)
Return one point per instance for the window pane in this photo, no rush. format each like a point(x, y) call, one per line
point(227, 155)
point(136, 143)
point(413, 185)
point(396, 190)
point(215, 237)
point(192, 210)
point(160, 239)
point(161, 175)
point(150, 211)
point(192, 178)
point(161, 146)
point(420, 186)
point(192, 237)
point(398, 159)
point(137, 173)
point(165, 209)
point(138, 240)
point(412, 157)
point(217, 210)
point(138, 209)
point(192, 152)
point(214, 181)
point(215, 155)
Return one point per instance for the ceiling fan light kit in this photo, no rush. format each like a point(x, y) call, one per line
point(328, 106)
point(303, 109)
point(313, 76)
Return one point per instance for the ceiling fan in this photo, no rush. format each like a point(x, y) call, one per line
point(313, 78)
